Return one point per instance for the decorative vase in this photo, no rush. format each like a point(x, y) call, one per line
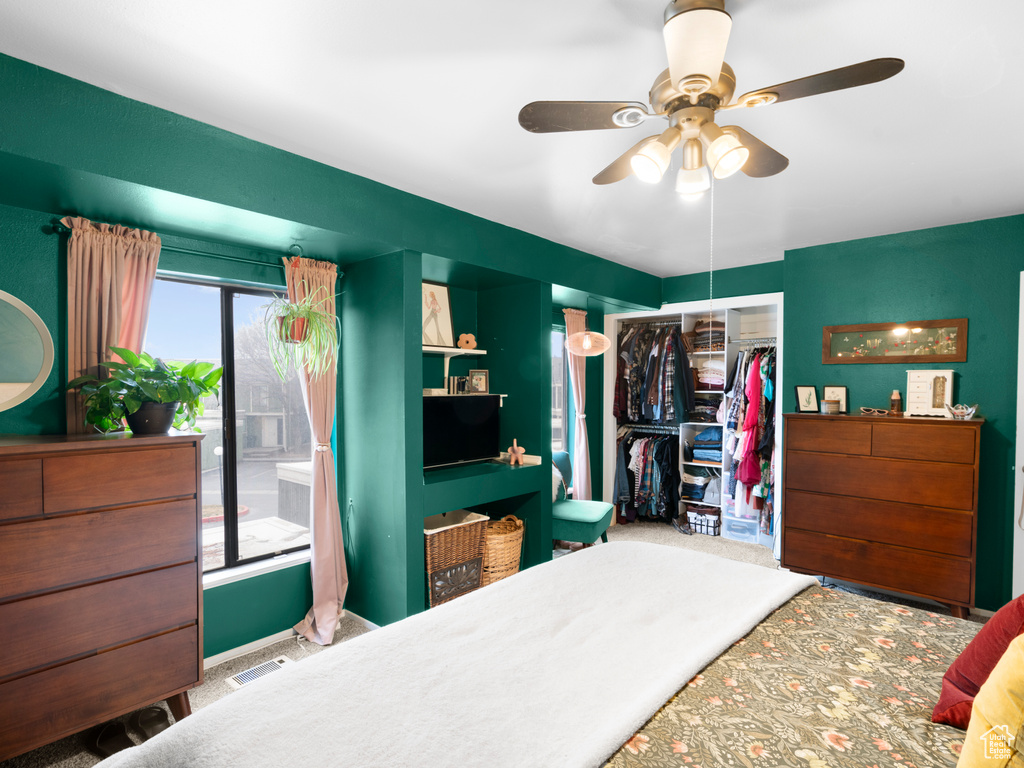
point(294, 333)
point(152, 418)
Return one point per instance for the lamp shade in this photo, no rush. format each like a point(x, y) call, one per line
point(695, 41)
point(652, 159)
point(692, 183)
point(724, 153)
point(587, 344)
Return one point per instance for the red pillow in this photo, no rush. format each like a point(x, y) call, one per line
point(965, 676)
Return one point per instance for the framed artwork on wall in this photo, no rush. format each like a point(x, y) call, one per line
point(919, 341)
point(806, 399)
point(437, 316)
point(478, 382)
point(834, 392)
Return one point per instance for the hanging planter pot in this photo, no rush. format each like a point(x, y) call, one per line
point(293, 332)
point(303, 334)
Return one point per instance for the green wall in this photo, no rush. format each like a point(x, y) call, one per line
point(967, 270)
point(738, 281)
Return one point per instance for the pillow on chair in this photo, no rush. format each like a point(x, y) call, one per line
point(966, 675)
point(558, 492)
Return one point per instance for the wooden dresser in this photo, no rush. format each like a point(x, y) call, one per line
point(883, 501)
point(100, 581)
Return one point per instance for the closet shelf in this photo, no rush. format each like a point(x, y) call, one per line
point(709, 392)
point(703, 463)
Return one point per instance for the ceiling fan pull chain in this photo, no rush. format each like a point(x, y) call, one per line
point(711, 264)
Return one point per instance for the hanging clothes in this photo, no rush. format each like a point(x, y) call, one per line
point(647, 478)
point(653, 382)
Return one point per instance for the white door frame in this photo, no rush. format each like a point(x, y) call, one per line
point(1018, 466)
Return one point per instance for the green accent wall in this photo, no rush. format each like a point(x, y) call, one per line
point(738, 281)
point(967, 270)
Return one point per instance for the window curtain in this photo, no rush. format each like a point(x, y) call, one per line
point(110, 280)
point(330, 580)
point(576, 322)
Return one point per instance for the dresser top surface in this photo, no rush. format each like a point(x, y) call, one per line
point(29, 444)
point(848, 417)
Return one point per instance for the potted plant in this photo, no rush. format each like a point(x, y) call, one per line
point(147, 392)
point(302, 333)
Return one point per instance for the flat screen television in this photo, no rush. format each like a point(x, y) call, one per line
point(458, 429)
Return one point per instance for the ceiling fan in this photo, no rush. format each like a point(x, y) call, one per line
point(697, 84)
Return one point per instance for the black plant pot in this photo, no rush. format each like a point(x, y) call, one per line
point(152, 418)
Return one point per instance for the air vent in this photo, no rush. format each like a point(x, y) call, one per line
point(255, 673)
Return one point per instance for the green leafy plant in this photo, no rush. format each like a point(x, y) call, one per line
point(141, 378)
point(302, 333)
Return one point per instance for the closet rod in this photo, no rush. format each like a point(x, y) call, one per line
point(660, 429)
point(654, 323)
point(764, 340)
point(60, 229)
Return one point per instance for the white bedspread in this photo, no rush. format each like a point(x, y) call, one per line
point(557, 666)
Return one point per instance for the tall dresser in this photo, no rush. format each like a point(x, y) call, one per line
point(100, 581)
point(883, 501)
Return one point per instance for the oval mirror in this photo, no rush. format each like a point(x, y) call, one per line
point(26, 351)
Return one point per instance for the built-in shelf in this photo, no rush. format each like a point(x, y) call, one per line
point(449, 353)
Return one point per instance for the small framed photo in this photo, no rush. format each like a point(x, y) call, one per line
point(835, 392)
point(478, 382)
point(806, 399)
point(437, 316)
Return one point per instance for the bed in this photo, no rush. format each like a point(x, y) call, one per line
point(563, 664)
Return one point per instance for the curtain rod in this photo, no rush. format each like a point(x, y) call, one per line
point(60, 229)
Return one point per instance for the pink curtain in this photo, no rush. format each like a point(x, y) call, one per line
point(330, 580)
point(110, 279)
point(576, 322)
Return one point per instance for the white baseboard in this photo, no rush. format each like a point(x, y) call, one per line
point(277, 637)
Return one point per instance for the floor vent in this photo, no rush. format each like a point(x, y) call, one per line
point(254, 673)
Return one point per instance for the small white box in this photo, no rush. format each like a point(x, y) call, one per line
point(929, 392)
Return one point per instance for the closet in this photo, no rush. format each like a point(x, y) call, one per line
point(689, 423)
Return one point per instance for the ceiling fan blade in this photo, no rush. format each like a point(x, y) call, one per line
point(763, 160)
point(864, 73)
point(621, 168)
point(553, 116)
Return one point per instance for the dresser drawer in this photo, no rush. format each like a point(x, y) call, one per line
point(950, 486)
point(941, 578)
point(54, 553)
point(924, 442)
point(21, 488)
point(55, 703)
point(828, 436)
point(926, 528)
point(117, 478)
point(104, 615)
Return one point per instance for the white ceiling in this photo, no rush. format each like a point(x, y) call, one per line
point(424, 97)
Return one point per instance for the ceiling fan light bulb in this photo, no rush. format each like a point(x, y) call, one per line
point(696, 40)
point(650, 162)
point(691, 184)
point(726, 156)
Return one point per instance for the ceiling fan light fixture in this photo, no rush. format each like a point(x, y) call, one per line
point(692, 183)
point(652, 159)
point(724, 153)
point(696, 35)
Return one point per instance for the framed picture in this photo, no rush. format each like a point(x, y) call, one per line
point(478, 382)
point(437, 316)
point(806, 399)
point(918, 341)
point(834, 392)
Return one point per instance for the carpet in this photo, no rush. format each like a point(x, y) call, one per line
point(661, 533)
point(556, 666)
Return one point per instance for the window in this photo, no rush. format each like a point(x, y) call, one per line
point(559, 412)
point(256, 461)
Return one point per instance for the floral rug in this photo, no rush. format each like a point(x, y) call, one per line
point(829, 679)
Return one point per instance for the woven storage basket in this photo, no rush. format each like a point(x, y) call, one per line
point(503, 547)
point(453, 550)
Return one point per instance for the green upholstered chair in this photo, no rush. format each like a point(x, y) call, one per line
point(573, 520)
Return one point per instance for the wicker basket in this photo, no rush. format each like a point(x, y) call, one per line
point(453, 549)
point(503, 547)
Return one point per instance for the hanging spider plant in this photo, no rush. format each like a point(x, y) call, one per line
point(303, 334)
